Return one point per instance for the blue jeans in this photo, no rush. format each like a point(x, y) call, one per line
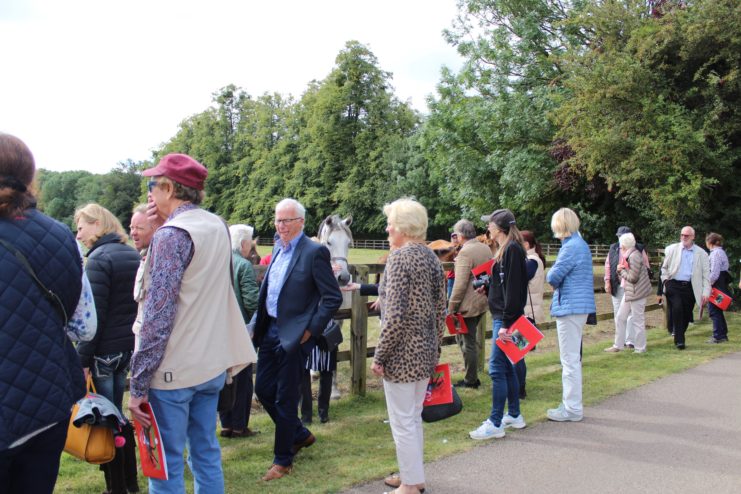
point(504, 385)
point(109, 375)
point(187, 417)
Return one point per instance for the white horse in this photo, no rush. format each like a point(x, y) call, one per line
point(335, 234)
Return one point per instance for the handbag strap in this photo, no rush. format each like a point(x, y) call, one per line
point(50, 296)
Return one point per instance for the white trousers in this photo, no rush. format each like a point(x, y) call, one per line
point(404, 405)
point(635, 310)
point(569, 329)
point(629, 336)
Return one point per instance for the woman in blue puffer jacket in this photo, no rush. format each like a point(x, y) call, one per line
point(572, 278)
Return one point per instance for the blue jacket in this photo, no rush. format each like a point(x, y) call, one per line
point(309, 298)
point(40, 375)
point(572, 278)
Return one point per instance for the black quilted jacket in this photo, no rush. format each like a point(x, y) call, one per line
point(40, 375)
point(111, 268)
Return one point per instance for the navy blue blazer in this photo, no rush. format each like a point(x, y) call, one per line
point(308, 299)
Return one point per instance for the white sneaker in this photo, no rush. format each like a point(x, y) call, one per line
point(487, 430)
point(516, 423)
point(560, 414)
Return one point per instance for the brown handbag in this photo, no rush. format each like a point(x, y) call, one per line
point(91, 443)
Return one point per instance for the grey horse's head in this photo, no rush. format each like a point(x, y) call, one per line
point(335, 234)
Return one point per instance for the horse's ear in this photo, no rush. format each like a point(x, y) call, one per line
point(348, 221)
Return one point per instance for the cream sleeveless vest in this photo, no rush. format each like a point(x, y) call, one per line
point(209, 334)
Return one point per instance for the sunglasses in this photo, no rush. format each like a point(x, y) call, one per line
point(152, 184)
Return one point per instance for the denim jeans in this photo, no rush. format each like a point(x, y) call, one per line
point(504, 385)
point(109, 375)
point(187, 418)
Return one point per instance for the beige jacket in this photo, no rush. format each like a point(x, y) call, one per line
point(536, 287)
point(637, 286)
point(209, 334)
point(464, 298)
point(700, 269)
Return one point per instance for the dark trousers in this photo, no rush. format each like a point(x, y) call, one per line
point(238, 418)
point(34, 465)
point(277, 386)
point(325, 391)
point(469, 346)
point(720, 328)
point(681, 301)
point(521, 371)
point(120, 473)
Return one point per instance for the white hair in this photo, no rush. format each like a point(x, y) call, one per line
point(239, 234)
point(627, 240)
point(293, 203)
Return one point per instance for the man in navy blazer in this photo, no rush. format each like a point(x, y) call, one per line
point(298, 297)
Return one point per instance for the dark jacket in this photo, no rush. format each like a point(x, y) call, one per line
point(40, 375)
point(508, 285)
point(308, 299)
point(111, 268)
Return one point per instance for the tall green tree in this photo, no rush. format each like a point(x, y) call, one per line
point(653, 109)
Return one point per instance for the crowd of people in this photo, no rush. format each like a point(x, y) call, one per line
point(183, 314)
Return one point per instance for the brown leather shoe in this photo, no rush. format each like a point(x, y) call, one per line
point(276, 471)
point(310, 439)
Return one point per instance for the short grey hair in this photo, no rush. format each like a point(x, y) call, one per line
point(297, 206)
point(140, 208)
point(465, 228)
point(239, 234)
point(627, 240)
point(408, 217)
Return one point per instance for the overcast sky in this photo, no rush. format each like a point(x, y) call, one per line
point(89, 83)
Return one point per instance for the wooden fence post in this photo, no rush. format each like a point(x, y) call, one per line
point(359, 334)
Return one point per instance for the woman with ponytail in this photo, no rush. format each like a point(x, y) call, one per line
point(507, 297)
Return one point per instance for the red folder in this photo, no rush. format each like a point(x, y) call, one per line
point(524, 335)
point(440, 388)
point(482, 268)
point(720, 299)
point(456, 324)
point(151, 449)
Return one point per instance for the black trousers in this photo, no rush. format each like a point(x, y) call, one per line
point(681, 300)
point(34, 465)
point(238, 418)
point(325, 391)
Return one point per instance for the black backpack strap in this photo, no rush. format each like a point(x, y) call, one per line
point(50, 296)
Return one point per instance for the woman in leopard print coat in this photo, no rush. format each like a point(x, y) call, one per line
point(412, 295)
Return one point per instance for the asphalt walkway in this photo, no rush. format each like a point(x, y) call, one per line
point(680, 434)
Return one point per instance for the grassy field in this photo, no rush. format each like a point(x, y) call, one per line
point(356, 444)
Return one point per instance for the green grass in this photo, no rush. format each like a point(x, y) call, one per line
point(356, 445)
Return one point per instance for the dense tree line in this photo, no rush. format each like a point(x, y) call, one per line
point(625, 110)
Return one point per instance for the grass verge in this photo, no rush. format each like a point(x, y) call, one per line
point(356, 445)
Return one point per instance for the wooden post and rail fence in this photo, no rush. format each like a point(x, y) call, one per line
point(358, 314)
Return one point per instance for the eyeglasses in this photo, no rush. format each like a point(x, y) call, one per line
point(286, 221)
point(683, 235)
point(152, 184)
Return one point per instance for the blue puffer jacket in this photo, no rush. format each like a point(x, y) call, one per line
point(40, 375)
point(572, 277)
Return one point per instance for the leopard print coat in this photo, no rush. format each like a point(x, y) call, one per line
point(412, 295)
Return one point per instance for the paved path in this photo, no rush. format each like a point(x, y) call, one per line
point(680, 434)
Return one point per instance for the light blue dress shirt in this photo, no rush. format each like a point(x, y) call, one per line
point(277, 275)
point(685, 265)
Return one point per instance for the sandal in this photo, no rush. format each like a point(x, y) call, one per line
point(394, 480)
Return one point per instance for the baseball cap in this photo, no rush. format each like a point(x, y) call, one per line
point(623, 230)
point(180, 168)
point(503, 218)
